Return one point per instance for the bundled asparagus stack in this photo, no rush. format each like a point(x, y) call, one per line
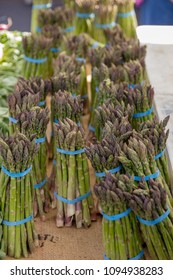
point(72, 176)
point(64, 105)
point(138, 159)
point(34, 122)
point(104, 156)
point(85, 16)
point(155, 131)
point(36, 50)
point(113, 113)
point(16, 195)
point(67, 74)
point(104, 19)
point(121, 236)
point(36, 7)
point(2, 254)
point(126, 17)
point(114, 35)
point(19, 101)
point(66, 19)
point(155, 217)
point(47, 17)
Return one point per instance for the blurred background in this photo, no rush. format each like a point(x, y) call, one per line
point(20, 12)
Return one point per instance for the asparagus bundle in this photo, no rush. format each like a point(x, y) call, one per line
point(73, 194)
point(85, 16)
point(156, 132)
point(47, 17)
point(2, 254)
point(150, 206)
point(34, 122)
point(55, 33)
point(121, 236)
point(64, 105)
point(113, 113)
point(115, 35)
point(36, 7)
point(104, 156)
point(16, 194)
point(126, 17)
point(67, 74)
point(19, 101)
point(66, 19)
point(36, 50)
point(104, 19)
point(138, 159)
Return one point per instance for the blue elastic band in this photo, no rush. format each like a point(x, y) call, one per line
point(56, 121)
point(41, 103)
point(85, 15)
point(42, 6)
point(38, 186)
point(21, 222)
point(138, 257)
point(74, 94)
point(70, 153)
point(118, 216)
point(40, 140)
point(55, 50)
point(84, 96)
point(97, 89)
point(112, 171)
point(91, 128)
point(13, 120)
point(73, 201)
point(16, 175)
point(125, 15)
point(147, 178)
point(95, 45)
point(54, 162)
point(156, 221)
point(106, 25)
point(160, 154)
point(133, 86)
point(69, 29)
point(143, 114)
point(81, 59)
point(35, 60)
point(38, 29)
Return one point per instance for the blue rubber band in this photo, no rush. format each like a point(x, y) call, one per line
point(54, 162)
point(41, 184)
point(70, 153)
point(40, 140)
point(95, 45)
point(38, 29)
point(125, 15)
point(91, 128)
point(69, 29)
point(16, 175)
point(42, 6)
point(55, 50)
point(118, 216)
point(97, 89)
point(84, 96)
point(112, 171)
point(56, 121)
point(73, 201)
point(35, 60)
point(147, 178)
point(133, 86)
point(156, 221)
point(143, 114)
point(41, 103)
point(81, 59)
point(21, 222)
point(160, 154)
point(85, 15)
point(13, 120)
point(106, 25)
point(74, 94)
point(138, 257)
